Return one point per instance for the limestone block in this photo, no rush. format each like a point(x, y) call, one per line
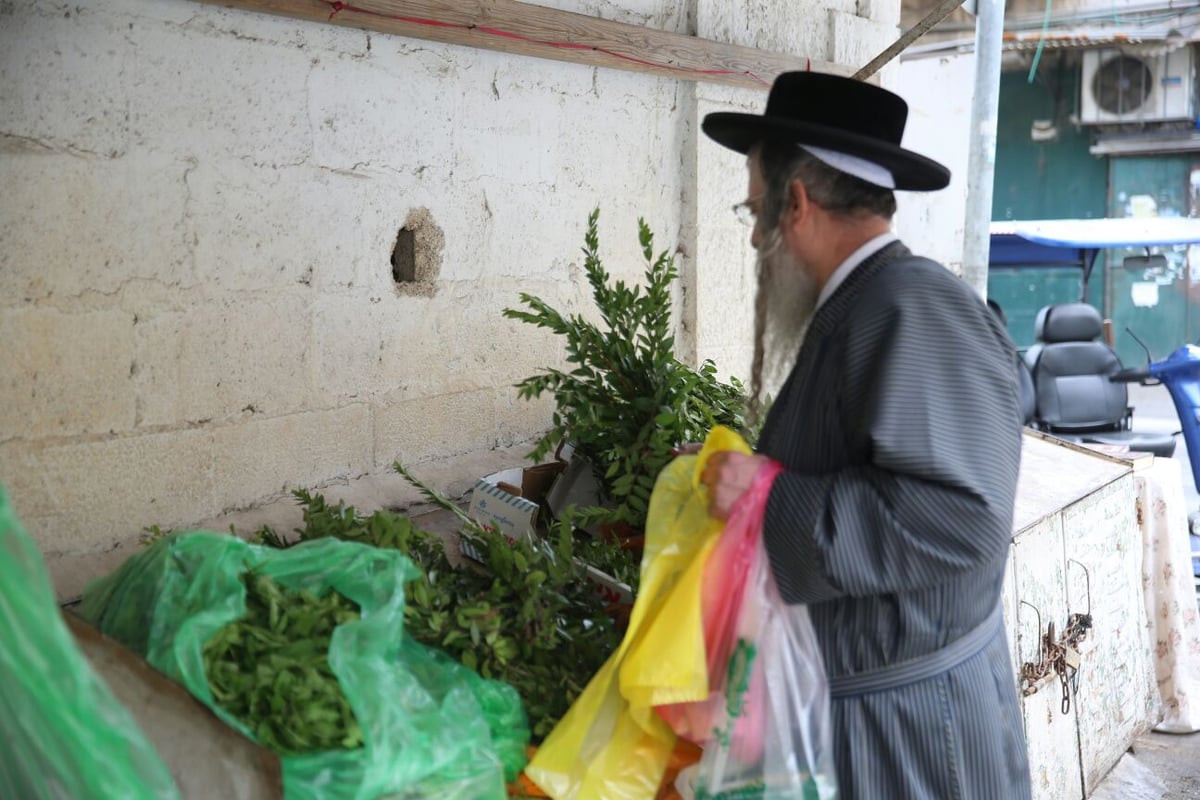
point(453, 368)
point(91, 494)
point(634, 131)
point(157, 367)
point(718, 97)
point(365, 345)
point(854, 41)
point(384, 488)
point(59, 93)
point(224, 359)
point(535, 241)
point(778, 26)
point(390, 112)
point(15, 8)
point(22, 480)
point(847, 6)
point(532, 148)
point(551, 268)
point(533, 139)
point(259, 458)
point(526, 349)
point(122, 12)
point(885, 12)
point(256, 226)
point(434, 427)
point(526, 145)
point(428, 347)
point(65, 374)
point(219, 96)
point(521, 421)
point(71, 572)
point(648, 13)
point(72, 225)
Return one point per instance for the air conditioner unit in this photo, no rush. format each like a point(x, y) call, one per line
point(1118, 87)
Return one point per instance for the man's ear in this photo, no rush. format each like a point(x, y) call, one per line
point(799, 204)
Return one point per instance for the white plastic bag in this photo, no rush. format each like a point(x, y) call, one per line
point(771, 735)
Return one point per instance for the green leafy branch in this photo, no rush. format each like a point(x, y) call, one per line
point(530, 618)
point(625, 400)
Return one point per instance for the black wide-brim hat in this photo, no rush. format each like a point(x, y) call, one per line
point(836, 113)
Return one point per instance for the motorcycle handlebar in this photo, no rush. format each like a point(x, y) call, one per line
point(1130, 375)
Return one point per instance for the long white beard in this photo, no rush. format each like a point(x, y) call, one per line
point(785, 307)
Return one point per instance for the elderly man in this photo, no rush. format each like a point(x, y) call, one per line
point(897, 423)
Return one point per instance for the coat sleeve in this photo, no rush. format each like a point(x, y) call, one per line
point(926, 393)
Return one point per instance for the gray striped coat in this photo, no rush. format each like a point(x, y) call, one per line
point(900, 432)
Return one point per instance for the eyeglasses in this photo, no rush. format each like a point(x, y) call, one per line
point(746, 212)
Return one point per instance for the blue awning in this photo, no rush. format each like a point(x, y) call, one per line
point(1101, 234)
point(1012, 250)
point(1049, 243)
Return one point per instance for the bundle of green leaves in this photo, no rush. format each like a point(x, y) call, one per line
point(270, 669)
point(530, 618)
point(626, 400)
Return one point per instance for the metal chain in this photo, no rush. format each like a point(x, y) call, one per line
point(1054, 658)
point(1032, 672)
point(1076, 631)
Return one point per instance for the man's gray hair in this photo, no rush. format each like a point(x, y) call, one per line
point(831, 189)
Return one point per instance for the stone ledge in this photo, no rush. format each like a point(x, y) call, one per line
point(453, 477)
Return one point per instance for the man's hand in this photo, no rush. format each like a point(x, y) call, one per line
point(728, 475)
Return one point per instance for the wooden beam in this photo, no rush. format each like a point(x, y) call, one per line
point(526, 29)
point(206, 757)
point(911, 35)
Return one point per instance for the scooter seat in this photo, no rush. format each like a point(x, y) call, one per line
point(1076, 400)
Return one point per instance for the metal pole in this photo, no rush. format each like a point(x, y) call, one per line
point(981, 165)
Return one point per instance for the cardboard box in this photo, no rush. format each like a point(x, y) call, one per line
point(496, 501)
point(509, 499)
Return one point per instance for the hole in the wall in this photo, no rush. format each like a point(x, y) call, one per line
point(417, 254)
point(404, 257)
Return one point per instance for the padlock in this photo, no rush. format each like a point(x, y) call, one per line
point(1072, 658)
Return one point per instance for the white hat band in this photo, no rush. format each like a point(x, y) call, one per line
point(860, 168)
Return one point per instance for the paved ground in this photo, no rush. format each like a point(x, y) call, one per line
point(1159, 766)
point(1174, 760)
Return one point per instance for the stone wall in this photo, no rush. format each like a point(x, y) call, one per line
point(198, 302)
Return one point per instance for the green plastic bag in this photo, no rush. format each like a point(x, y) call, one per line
point(65, 735)
point(423, 717)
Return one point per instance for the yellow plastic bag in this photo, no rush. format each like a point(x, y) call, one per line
point(611, 745)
